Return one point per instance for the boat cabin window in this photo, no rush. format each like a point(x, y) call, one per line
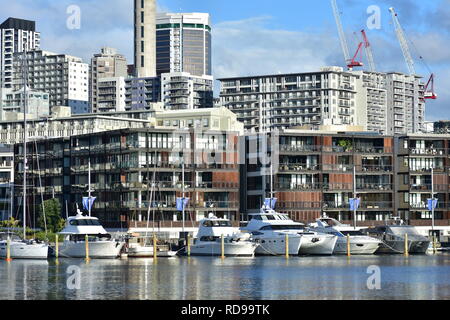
point(209, 238)
point(281, 227)
point(210, 223)
point(257, 217)
point(92, 237)
point(84, 222)
point(352, 233)
point(270, 217)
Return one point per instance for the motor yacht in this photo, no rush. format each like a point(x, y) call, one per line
point(393, 238)
point(270, 228)
point(209, 243)
point(22, 249)
point(360, 244)
point(101, 244)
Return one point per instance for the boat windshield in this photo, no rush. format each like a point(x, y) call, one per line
point(283, 227)
point(402, 230)
point(84, 222)
point(217, 223)
point(352, 233)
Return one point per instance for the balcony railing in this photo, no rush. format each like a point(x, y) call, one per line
point(305, 148)
point(427, 187)
point(427, 151)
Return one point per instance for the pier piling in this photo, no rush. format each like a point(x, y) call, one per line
point(188, 245)
point(348, 246)
point(8, 250)
point(87, 248)
point(222, 241)
point(406, 245)
point(155, 247)
point(287, 246)
point(56, 246)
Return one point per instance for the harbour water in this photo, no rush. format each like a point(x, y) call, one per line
point(205, 278)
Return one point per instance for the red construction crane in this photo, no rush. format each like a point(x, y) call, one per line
point(353, 63)
point(429, 89)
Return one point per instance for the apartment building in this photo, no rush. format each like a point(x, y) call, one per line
point(126, 163)
point(423, 165)
point(11, 132)
point(65, 78)
point(142, 93)
point(183, 43)
point(38, 104)
point(314, 174)
point(106, 64)
point(6, 180)
point(181, 90)
point(289, 100)
point(386, 103)
point(110, 95)
point(16, 35)
point(406, 104)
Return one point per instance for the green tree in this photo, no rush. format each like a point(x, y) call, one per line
point(55, 223)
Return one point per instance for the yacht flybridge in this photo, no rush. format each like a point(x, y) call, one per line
point(269, 228)
point(101, 244)
point(209, 242)
point(359, 243)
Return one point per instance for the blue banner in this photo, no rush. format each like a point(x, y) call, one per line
point(182, 203)
point(354, 203)
point(432, 204)
point(88, 203)
point(270, 202)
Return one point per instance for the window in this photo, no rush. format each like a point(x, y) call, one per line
point(142, 17)
point(142, 4)
point(142, 32)
point(142, 61)
point(142, 46)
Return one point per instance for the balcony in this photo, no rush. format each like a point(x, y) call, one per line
point(304, 148)
point(427, 151)
point(330, 205)
point(298, 167)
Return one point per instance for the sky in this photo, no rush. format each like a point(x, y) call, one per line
point(263, 37)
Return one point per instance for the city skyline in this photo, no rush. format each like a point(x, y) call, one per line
point(245, 35)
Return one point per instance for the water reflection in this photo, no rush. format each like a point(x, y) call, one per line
point(198, 278)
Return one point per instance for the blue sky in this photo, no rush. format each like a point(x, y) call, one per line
point(264, 36)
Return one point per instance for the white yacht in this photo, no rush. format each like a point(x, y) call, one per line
point(359, 243)
point(208, 241)
point(270, 228)
point(100, 243)
point(22, 249)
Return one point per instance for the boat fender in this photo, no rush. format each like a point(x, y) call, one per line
point(314, 240)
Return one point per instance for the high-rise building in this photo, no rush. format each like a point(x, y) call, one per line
point(386, 103)
point(16, 35)
point(144, 38)
point(142, 93)
point(111, 95)
point(183, 43)
point(65, 78)
point(106, 64)
point(181, 90)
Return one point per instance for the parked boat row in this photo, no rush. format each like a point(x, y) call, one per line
point(265, 234)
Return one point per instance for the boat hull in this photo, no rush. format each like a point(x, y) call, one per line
point(276, 246)
point(237, 249)
point(358, 246)
point(318, 245)
point(398, 246)
point(22, 250)
point(97, 249)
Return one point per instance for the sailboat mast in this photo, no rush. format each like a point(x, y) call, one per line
point(24, 146)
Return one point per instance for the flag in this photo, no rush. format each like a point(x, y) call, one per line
point(432, 204)
point(270, 202)
point(354, 203)
point(88, 203)
point(182, 203)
